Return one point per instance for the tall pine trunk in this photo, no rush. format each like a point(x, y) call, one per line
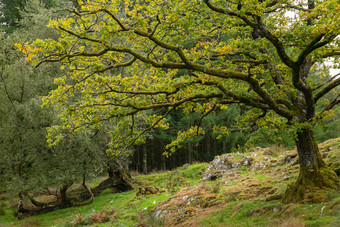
point(145, 160)
point(314, 173)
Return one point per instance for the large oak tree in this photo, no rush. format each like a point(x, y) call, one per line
point(128, 57)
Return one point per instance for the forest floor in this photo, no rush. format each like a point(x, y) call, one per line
point(244, 194)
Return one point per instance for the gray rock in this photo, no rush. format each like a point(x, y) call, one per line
point(258, 165)
point(229, 174)
point(289, 158)
point(236, 165)
point(246, 161)
point(267, 159)
point(218, 165)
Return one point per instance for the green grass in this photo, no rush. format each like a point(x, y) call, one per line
point(274, 213)
point(241, 201)
point(130, 210)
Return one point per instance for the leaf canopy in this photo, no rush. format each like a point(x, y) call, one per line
point(123, 59)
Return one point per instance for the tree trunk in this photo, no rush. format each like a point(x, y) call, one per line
point(88, 190)
point(21, 203)
point(189, 153)
point(145, 160)
point(120, 181)
point(314, 173)
point(63, 194)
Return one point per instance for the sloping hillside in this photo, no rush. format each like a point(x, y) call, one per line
point(239, 189)
point(245, 190)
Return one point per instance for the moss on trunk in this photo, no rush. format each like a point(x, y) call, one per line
point(314, 176)
point(309, 185)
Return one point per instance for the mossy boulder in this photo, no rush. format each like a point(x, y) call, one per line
point(227, 165)
point(330, 150)
point(147, 190)
point(185, 204)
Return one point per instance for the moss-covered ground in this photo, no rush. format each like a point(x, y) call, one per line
point(249, 198)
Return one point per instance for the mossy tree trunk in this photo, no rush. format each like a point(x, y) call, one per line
point(314, 173)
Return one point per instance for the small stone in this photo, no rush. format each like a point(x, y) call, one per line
point(267, 159)
point(236, 165)
point(147, 190)
point(259, 165)
point(254, 155)
point(246, 161)
point(275, 210)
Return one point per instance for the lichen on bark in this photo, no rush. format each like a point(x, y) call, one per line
point(314, 175)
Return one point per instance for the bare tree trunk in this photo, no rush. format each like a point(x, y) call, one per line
point(208, 146)
point(63, 194)
point(189, 152)
point(21, 203)
point(88, 189)
point(145, 160)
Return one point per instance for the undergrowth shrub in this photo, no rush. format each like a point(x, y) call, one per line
point(230, 198)
point(3, 197)
point(31, 222)
point(13, 207)
point(2, 208)
point(103, 216)
point(148, 219)
point(97, 217)
point(288, 222)
point(213, 188)
point(174, 180)
point(274, 150)
point(80, 220)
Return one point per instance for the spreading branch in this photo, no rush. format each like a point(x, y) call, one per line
point(327, 89)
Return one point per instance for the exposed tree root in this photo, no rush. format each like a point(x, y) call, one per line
point(309, 184)
point(23, 213)
point(84, 198)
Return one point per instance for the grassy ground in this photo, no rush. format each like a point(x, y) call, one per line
point(129, 209)
point(249, 197)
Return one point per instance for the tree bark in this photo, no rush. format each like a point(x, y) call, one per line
point(189, 153)
point(88, 189)
point(121, 182)
point(45, 207)
point(145, 160)
point(63, 195)
point(314, 174)
point(21, 203)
